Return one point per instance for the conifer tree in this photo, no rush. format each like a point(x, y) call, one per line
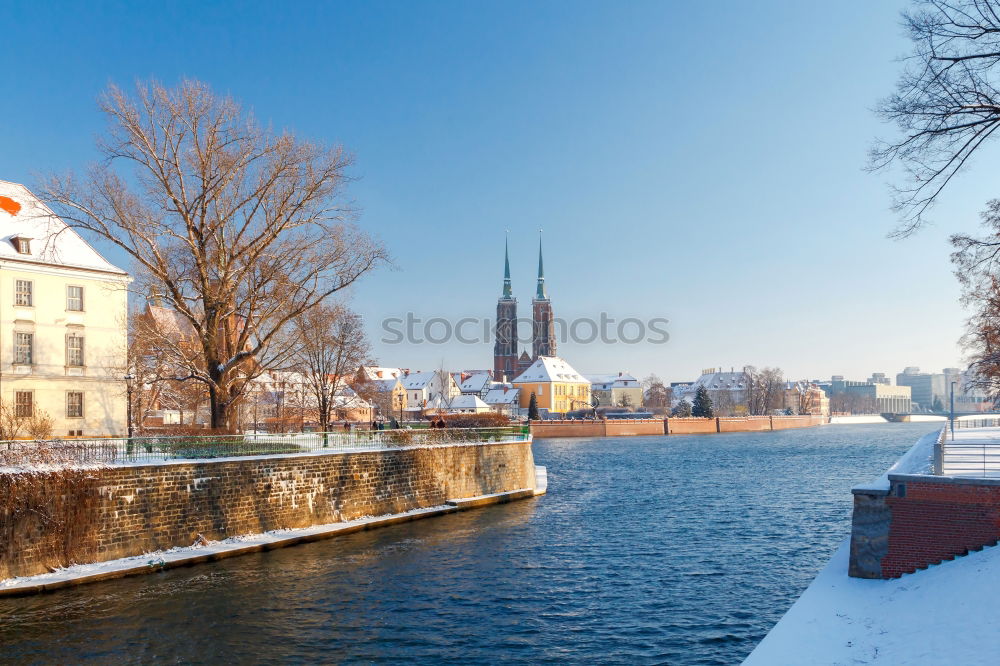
point(702, 403)
point(533, 408)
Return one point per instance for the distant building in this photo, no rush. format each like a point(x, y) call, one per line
point(424, 387)
point(928, 390)
point(504, 399)
point(806, 398)
point(869, 398)
point(879, 378)
point(557, 387)
point(477, 383)
point(616, 390)
point(726, 389)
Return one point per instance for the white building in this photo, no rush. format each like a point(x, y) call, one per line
point(423, 387)
point(63, 322)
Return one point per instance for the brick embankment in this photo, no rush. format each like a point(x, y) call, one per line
point(671, 426)
point(56, 519)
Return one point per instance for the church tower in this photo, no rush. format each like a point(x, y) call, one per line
point(505, 346)
point(543, 341)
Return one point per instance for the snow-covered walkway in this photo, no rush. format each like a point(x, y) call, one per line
point(947, 614)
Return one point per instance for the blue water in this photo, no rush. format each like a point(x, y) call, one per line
point(679, 550)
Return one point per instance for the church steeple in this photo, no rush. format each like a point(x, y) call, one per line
point(507, 292)
point(540, 290)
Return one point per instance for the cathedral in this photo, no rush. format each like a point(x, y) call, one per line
point(506, 362)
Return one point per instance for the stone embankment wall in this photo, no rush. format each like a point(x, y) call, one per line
point(671, 426)
point(54, 519)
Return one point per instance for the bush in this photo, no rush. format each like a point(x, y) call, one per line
point(488, 420)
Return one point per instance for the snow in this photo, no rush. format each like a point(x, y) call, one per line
point(918, 460)
point(945, 614)
point(867, 418)
point(52, 242)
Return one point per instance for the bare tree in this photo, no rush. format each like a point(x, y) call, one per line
point(764, 389)
point(332, 344)
point(238, 226)
point(947, 102)
point(655, 394)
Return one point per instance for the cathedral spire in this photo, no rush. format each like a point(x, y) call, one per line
point(540, 291)
point(507, 292)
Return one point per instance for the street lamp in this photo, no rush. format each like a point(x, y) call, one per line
point(129, 385)
point(953, 411)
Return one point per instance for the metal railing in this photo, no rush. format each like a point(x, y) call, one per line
point(151, 450)
point(967, 455)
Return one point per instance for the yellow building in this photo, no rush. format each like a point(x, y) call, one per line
point(62, 323)
point(558, 388)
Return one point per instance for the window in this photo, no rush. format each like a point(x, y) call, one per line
point(23, 404)
point(74, 350)
point(74, 298)
point(23, 343)
point(22, 293)
point(74, 404)
point(22, 245)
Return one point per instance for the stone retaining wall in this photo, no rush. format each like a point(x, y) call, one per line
point(56, 519)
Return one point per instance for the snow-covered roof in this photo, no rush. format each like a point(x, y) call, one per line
point(373, 372)
point(614, 380)
point(550, 369)
point(23, 215)
point(384, 385)
point(417, 380)
point(467, 401)
point(502, 397)
point(170, 323)
point(476, 383)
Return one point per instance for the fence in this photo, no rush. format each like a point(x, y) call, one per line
point(971, 450)
point(152, 450)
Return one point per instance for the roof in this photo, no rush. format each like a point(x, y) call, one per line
point(499, 396)
point(613, 380)
point(476, 383)
point(373, 372)
point(384, 385)
point(550, 369)
point(466, 401)
point(417, 380)
point(170, 323)
point(22, 214)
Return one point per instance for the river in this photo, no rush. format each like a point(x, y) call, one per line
point(678, 550)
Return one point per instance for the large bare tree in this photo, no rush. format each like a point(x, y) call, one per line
point(947, 100)
point(239, 228)
point(331, 346)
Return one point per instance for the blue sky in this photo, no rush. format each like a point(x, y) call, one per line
point(700, 162)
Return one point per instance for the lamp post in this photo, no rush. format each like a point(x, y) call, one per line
point(953, 411)
point(129, 385)
point(400, 396)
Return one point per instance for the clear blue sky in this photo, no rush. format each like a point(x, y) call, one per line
point(700, 162)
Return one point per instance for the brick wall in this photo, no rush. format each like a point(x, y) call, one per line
point(934, 521)
point(670, 426)
point(56, 519)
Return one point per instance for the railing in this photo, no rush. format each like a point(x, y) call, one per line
point(969, 453)
point(151, 450)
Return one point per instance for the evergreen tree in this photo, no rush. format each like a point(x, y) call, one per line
point(702, 403)
point(533, 408)
point(938, 405)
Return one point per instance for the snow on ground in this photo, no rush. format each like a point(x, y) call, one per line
point(868, 418)
point(947, 614)
point(157, 559)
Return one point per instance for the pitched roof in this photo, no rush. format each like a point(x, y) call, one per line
point(466, 401)
point(550, 369)
point(385, 385)
point(373, 372)
point(499, 396)
point(417, 380)
point(23, 215)
point(476, 383)
point(614, 380)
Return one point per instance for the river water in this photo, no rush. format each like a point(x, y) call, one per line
point(678, 550)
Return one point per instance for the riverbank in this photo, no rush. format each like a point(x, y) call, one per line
point(671, 426)
point(213, 551)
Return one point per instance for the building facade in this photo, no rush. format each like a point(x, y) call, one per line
point(557, 387)
point(63, 323)
point(619, 390)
